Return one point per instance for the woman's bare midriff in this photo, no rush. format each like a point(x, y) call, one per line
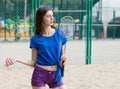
point(49, 68)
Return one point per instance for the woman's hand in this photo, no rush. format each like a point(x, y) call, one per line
point(63, 60)
point(10, 61)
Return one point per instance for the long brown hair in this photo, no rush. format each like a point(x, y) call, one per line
point(39, 29)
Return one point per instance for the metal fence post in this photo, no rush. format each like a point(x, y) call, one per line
point(97, 31)
point(32, 17)
point(5, 22)
point(89, 5)
point(16, 22)
point(38, 3)
point(81, 19)
point(114, 27)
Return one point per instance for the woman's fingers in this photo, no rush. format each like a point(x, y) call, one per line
point(64, 57)
point(9, 61)
point(63, 60)
point(62, 63)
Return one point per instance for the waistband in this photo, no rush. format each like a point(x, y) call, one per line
point(49, 68)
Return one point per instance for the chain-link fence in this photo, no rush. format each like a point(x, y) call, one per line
point(16, 20)
point(105, 23)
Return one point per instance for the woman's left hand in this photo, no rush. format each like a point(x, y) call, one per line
point(63, 60)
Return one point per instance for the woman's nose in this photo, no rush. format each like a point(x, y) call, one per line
point(52, 17)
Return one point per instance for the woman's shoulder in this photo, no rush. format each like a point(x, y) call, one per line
point(35, 36)
point(60, 31)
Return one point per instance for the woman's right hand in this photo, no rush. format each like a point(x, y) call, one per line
point(9, 61)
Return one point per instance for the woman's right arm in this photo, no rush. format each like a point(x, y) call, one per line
point(32, 62)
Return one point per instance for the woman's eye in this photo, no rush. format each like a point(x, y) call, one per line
point(49, 16)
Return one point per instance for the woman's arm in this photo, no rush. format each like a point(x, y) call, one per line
point(63, 58)
point(11, 61)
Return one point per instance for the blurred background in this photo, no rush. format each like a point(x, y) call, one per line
point(17, 18)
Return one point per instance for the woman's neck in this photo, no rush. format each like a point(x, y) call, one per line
point(48, 31)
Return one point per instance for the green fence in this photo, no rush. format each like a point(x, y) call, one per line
point(17, 19)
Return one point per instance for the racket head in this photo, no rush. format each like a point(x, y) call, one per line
point(68, 25)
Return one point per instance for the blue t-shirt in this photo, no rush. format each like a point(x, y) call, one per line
point(49, 48)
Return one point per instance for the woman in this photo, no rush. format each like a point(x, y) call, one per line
point(47, 52)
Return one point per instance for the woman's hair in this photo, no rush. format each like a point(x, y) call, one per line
point(39, 29)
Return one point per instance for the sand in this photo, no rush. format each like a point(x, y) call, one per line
point(102, 73)
point(95, 76)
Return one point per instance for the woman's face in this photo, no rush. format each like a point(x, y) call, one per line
point(48, 18)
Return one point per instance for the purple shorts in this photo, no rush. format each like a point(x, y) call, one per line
point(41, 77)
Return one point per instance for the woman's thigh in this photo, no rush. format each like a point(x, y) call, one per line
point(61, 87)
point(39, 87)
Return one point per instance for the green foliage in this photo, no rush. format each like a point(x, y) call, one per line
point(10, 6)
point(13, 6)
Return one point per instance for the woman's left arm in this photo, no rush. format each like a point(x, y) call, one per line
point(63, 58)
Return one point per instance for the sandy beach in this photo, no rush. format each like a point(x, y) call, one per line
point(102, 73)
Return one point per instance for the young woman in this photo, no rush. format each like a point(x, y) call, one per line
point(47, 52)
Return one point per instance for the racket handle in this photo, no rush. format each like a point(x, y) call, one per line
point(63, 67)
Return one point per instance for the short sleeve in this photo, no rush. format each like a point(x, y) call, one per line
point(33, 43)
point(63, 35)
